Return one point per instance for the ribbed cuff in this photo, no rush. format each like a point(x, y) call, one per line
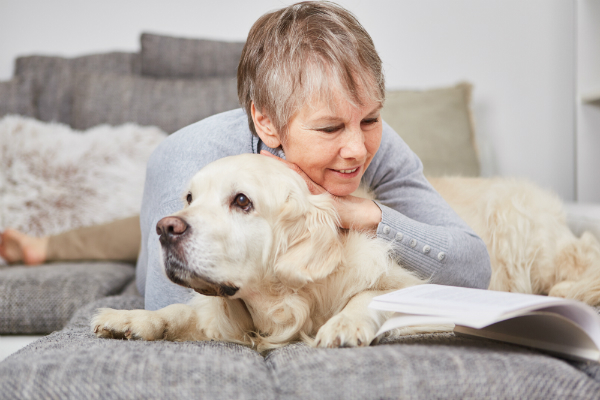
point(417, 246)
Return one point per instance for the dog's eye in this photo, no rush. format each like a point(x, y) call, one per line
point(189, 198)
point(242, 201)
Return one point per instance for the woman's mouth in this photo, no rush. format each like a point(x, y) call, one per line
point(347, 173)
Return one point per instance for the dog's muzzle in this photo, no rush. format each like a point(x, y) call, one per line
point(171, 230)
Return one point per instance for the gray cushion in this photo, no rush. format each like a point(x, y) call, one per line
point(169, 104)
point(165, 56)
point(437, 125)
point(74, 364)
point(43, 299)
point(16, 97)
point(52, 78)
point(427, 367)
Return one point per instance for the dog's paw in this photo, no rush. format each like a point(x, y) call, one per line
point(344, 331)
point(128, 324)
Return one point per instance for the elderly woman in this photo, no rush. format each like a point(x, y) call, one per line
point(311, 85)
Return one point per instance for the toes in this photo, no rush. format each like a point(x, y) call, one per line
point(342, 331)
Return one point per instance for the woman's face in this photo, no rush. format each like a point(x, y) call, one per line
point(334, 145)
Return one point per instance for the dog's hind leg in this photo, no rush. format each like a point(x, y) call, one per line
point(578, 271)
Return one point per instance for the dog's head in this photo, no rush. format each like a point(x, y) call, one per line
point(249, 219)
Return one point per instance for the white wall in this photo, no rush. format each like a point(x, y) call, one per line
point(519, 54)
point(588, 115)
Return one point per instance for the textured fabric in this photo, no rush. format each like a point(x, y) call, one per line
point(437, 126)
point(53, 78)
point(169, 104)
point(170, 57)
point(53, 178)
point(73, 364)
point(16, 97)
point(43, 299)
point(117, 240)
point(395, 176)
point(427, 367)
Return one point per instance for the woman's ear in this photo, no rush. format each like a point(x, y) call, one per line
point(265, 128)
point(308, 242)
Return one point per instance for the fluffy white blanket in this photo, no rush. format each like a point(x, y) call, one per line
point(53, 178)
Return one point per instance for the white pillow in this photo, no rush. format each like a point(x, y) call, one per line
point(53, 178)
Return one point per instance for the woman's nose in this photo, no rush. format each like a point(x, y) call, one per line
point(354, 145)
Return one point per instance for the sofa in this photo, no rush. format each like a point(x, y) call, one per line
point(168, 84)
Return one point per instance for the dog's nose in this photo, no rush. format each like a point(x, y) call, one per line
point(171, 228)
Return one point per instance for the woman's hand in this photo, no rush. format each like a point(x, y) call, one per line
point(355, 212)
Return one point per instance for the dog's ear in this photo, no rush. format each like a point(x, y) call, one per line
point(307, 240)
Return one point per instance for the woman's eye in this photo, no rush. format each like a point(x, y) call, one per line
point(242, 201)
point(330, 129)
point(189, 198)
point(370, 121)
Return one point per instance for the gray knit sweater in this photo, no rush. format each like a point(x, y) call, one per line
point(428, 237)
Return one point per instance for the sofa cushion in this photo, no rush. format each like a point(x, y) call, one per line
point(439, 366)
point(43, 299)
point(169, 104)
point(437, 125)
point(52, 78)
point(171, 57)
point(73, 363)
point(16, 97)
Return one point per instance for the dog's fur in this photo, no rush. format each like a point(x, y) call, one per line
point(277, 269)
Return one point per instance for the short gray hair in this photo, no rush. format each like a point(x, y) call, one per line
point(302, 51)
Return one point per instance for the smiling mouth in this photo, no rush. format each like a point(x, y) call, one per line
point(346, 171)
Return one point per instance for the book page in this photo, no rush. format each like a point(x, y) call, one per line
point(541, 330)
point(470, 307)
point(406, 320)
point(585, 317)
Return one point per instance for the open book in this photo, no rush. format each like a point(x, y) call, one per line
point(567, 328)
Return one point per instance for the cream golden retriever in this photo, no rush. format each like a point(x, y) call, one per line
point(271, 267)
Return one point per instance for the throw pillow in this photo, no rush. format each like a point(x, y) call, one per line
point(53, 178)
point(171, 57)
point(169, 104)
point(437, 125)
point(16, 97)
point(52, 78)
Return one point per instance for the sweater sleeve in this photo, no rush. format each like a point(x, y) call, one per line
point(428, 237)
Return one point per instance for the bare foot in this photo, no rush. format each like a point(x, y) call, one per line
point(17, 247)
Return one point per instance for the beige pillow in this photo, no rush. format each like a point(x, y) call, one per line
point(437, 125)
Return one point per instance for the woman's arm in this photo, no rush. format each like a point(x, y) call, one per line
point(428, 236)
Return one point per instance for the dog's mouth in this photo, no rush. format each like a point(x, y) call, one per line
point(218, 290)
point(178, 273)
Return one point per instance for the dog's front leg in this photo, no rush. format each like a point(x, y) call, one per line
point(355, 325)
point(205, 318)
point(174, 322)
